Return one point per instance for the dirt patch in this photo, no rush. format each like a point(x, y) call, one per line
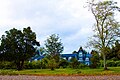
point(28, 77)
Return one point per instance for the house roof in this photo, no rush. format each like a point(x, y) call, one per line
point(68, 55)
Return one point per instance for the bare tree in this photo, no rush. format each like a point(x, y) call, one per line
point(105, 27)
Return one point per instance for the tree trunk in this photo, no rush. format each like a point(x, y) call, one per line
point(105, 65)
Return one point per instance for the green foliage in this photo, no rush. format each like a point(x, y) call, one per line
point(17, 46)
point(54, 46)
point(82, 66)
point(114, 53)
point(95, 59)
point(32, 65)
point(45, 63)
point(52, 64)
point(63, 63)
point(40, 64)
point(7, 65)
point(74, 63)
point(111, 63)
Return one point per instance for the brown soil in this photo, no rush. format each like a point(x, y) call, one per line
point(28, 77)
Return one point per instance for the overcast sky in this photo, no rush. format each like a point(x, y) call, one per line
point(68, 18)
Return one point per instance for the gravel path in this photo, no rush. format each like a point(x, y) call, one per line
point(26, 77)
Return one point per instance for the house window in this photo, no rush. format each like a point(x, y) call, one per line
point(86, 59)
point(80, 54)
point(80, 59)
point(87, 63)
point(69, 58)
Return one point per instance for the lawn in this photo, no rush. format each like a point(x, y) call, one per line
point(67, 71)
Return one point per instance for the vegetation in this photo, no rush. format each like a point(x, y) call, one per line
point(17, 46)
point(114, 52)
point(67, 71)
point(74, 63)
point(53, 45)
point(63, 63)
point(105, 28)
point(95, 59)
point(53, 48)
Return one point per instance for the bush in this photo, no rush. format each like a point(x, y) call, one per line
point(95, 59)
point(52, 64)
point(118, 63)
point(110, 63)
point(101, 63)
point(32, 65)
point(63, 63)
point(74, 63)
point(40, 64)
point(81, 65)
point(7, 65)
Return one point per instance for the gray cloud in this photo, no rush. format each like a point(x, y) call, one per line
point(67, 18)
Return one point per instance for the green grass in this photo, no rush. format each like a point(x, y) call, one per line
point(67, 71)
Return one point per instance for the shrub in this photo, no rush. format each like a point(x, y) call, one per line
point(110, 63)
point(33, 65)
point(118, 63)
point(52, 64)
point(95, 59)
point(7, 65)
point(81, 65)
point(63, 63)
point(74, 63)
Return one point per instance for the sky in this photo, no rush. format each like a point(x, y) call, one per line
point(70, 19)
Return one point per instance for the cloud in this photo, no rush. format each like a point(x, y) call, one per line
point(68, 18)
point(63, 17)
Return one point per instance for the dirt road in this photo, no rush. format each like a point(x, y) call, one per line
point(27, 77)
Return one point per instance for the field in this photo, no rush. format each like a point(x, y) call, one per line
point(62, 72)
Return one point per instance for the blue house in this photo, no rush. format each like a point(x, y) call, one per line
point(82, 56)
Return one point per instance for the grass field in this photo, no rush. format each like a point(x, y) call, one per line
point(67, 71)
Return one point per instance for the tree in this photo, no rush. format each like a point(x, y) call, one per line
point(17, 46)
point(54, 46)
point(105, 28)
point(116, 50)
point(95, 59)
point(114, 53)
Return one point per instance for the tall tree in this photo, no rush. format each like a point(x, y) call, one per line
point(54, 46)
point(114, 53)
point(105, 27)
point(17, 46)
